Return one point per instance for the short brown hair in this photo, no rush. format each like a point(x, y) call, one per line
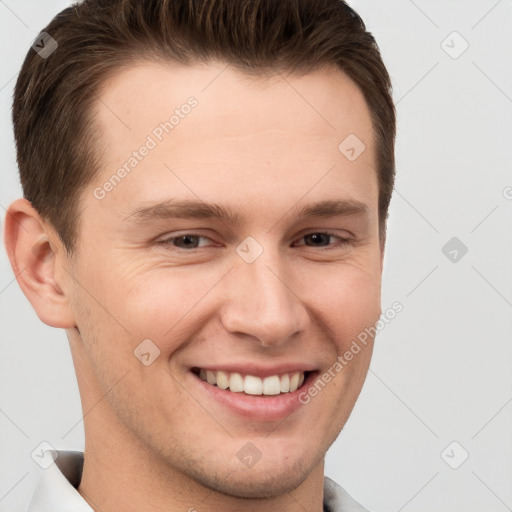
point(54, 97)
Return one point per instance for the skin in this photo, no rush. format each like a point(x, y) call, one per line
point(154, 439)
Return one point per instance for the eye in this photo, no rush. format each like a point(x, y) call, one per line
point(186, 241)
point(322, 239)
point(194, 241)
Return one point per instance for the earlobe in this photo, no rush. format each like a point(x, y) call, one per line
point(34, 260)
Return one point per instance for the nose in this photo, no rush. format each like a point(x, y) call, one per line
point(261, 302)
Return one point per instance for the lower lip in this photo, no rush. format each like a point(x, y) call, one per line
point(256, 407)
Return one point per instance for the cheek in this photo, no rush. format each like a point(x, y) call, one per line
point(347, 297)
point(158, 304)
point(105, 337)
point(148, 298)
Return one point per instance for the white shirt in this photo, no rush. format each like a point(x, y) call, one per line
point(56, 490)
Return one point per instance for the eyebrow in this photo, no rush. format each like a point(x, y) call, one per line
point(196, 209)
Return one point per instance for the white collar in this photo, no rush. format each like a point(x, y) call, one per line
point(56, 490)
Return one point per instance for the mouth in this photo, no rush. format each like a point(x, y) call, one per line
point(259, 394)
point(271, 385)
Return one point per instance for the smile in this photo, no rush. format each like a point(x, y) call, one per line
point(251, 384)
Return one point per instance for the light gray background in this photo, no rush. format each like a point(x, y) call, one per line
point(442, 368)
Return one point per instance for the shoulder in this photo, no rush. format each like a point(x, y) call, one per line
point(336, 499)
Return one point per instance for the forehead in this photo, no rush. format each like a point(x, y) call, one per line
point(325, 100)
point(210, 130)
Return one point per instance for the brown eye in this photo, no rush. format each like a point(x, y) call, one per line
point(318, 239)
point(323, 239)
point(186, 241)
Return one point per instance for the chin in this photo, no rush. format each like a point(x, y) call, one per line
point(265, 479)
point(253, 483)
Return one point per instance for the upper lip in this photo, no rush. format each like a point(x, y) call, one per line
point(250, 368)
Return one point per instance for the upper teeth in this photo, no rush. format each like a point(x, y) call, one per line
point(273, 385)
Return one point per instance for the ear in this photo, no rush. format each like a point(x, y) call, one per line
point(35, 252)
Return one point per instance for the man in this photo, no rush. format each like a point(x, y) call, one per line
point(206, 190)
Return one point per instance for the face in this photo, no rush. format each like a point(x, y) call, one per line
point(241, 247)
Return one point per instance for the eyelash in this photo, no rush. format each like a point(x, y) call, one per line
point(168, 242)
